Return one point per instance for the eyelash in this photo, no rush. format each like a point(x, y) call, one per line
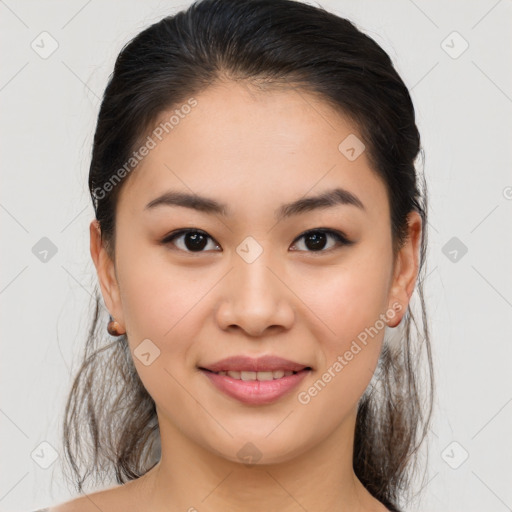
point(340, 238)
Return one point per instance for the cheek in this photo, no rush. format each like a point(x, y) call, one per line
point(155, 294)
point(161, 303)
point(349, 297)
point(349, 302)
point(349, 343)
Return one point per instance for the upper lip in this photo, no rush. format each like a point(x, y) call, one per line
point(251, 364)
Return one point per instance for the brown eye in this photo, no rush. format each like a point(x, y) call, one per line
point(316, 240)
point(193, 240)
point(189, 240)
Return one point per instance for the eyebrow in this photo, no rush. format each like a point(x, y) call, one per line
point(327, 199)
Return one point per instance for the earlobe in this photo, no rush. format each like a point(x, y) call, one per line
point(406, 270)
point(105, 269)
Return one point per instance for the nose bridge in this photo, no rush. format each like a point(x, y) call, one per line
point(254, 280)
point(256, 298)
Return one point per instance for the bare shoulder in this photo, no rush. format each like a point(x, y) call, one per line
point(109, 499)
point(120, 498)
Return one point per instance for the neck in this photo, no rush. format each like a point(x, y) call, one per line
point(189, 478)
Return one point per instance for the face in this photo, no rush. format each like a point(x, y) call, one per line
point(312, 284)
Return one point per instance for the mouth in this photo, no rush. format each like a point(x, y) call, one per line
point(261, 376)
point(249, 367)
point(255, 381)
point(247, 388)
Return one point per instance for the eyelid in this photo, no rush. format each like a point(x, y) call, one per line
point(176, 234)
point(340, 236)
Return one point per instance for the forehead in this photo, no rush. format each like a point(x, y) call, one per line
point(264, 148)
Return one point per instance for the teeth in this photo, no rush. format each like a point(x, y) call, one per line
point(257, 375)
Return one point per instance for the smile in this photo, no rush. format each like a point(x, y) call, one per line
point(261, 376)
point(256, 388)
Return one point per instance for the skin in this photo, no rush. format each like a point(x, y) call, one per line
point(253, 151)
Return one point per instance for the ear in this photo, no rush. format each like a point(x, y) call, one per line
point(406, 270)
point(105, 269)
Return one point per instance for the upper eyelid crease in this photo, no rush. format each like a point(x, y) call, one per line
point(330, 198)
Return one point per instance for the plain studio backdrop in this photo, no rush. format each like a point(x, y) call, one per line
point(455, 58)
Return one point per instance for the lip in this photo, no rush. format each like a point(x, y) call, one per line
point(251, 364)
point(256, 392)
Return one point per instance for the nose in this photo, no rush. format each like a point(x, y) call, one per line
point(255, 298)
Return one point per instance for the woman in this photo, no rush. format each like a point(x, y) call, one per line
point(259, 233)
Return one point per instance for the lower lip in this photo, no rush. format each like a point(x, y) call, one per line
point(256, 392)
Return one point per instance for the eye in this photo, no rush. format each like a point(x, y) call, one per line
point(193, 240)
point(315, 239)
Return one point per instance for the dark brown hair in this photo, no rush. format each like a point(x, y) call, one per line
point(110, 425)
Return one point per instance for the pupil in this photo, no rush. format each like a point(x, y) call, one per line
point(195, 241)
point(317, 239)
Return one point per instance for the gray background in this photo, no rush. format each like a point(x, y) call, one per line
point(463, 103)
